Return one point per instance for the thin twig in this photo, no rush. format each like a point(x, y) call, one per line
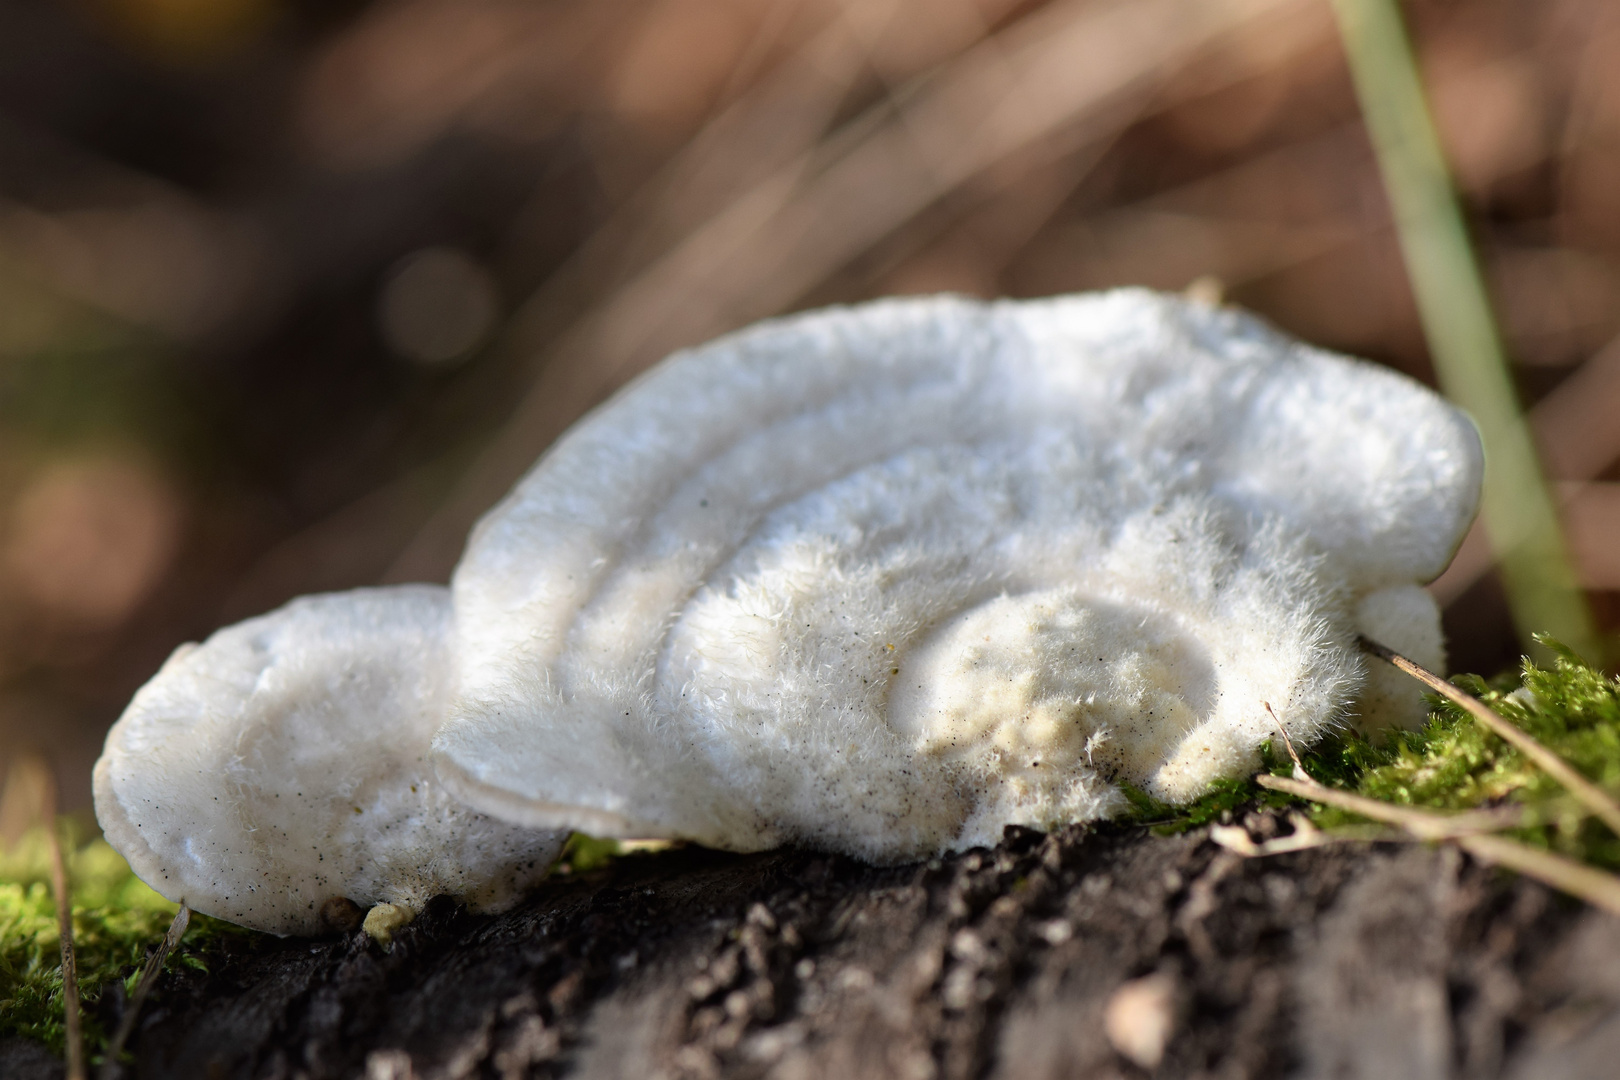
point(1596, 887)
point(64, 922)
point(1299, 766)
point(1425, 824)
point(149, 976)
point(1471, 831)
point(1595, 798)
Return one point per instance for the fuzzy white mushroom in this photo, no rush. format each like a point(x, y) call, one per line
point(887, 579)
point(281, 766)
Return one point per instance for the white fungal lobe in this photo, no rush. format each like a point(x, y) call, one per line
point(282, 764)
point(888, 579)
point(881, 580)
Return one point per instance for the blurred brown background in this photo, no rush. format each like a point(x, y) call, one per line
point(291, 291)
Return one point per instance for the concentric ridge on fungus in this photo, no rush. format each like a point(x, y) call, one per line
point(884, 579)
point(881, 580)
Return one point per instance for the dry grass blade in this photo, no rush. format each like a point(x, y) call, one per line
point(1470, 831)
point(1574, 424)
point(60, 889)
point(1424, 824)
point(1593, 797)
point(1071, 73)
point(1597, 888)
point(773, 126)
point(149, 975)
point(1299, 766)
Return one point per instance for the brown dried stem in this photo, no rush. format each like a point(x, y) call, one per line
point(1595, 798)
point(1471, 831)
point(149, 975)
point(64, 920)
point(1424, 824)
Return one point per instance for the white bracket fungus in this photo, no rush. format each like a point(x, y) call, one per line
point(281, 766)
point(882, 580)
point(887, 579)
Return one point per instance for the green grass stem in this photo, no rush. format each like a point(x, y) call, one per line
point(1469, 358)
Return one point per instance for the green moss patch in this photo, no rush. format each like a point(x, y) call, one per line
point(117, 920)
point(1454, 763)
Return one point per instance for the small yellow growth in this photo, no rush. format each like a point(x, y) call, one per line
point(383, 919)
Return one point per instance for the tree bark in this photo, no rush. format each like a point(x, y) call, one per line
point(1050, 957)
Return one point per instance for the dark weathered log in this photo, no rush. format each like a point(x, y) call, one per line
point(1349, 960)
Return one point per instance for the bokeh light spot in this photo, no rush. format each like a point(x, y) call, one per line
point(90, 538)
point(437, 306)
